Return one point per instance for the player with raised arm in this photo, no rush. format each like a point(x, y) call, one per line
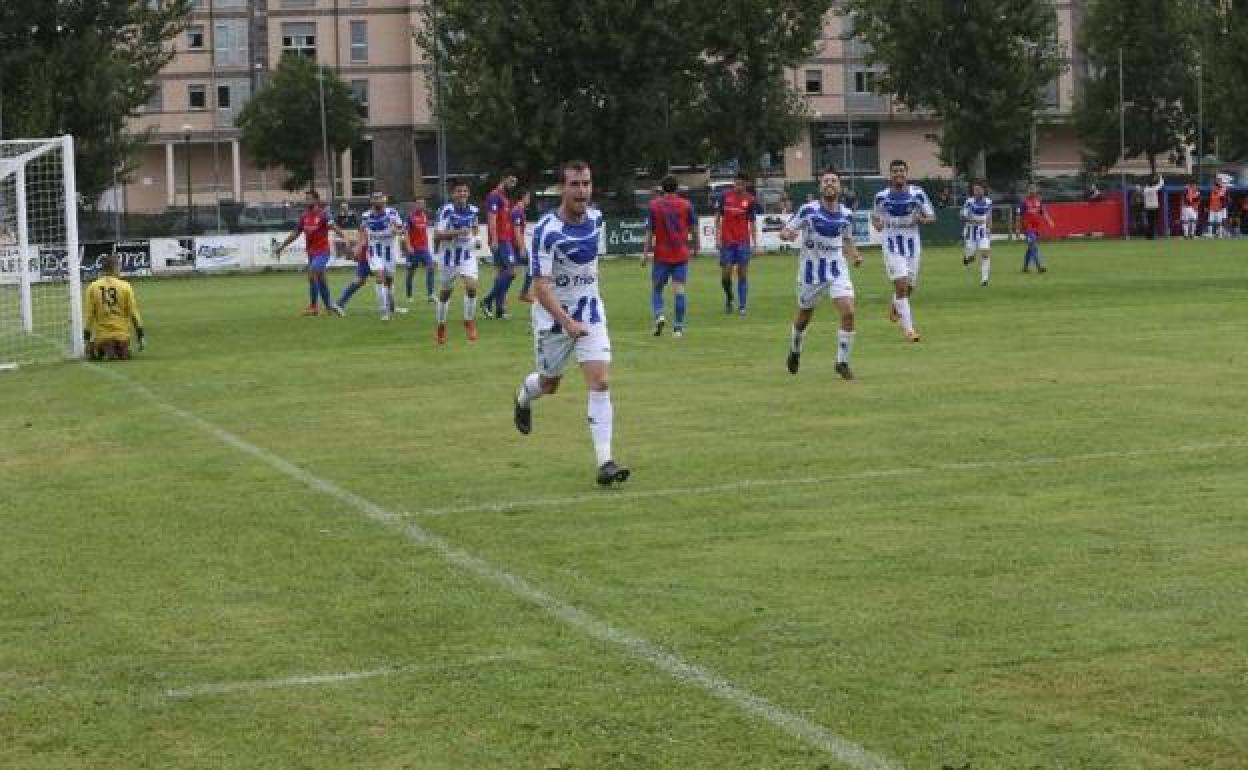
point(825, 230)
point(736, 237)
point(453, 235)
point(111, 311)
point(502, 246)
point(569, 318)
point(519, 229)
point(1034, 215)
point(315, 226)
point(977, 230)
point(671, 230)
point(1189, 212)
point(898, 211)
point(416, 248)
point(380, 227)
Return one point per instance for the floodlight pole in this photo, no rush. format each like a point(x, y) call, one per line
point(1122, 151)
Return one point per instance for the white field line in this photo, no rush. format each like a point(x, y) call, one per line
point(255, 685)
point(843, 749)
point(745, 485)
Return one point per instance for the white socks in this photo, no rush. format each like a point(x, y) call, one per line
point(844, 344)
point(470, 308)
point(530, 389)
point(903, 309)
point(796, 339)
point(383, 302)
point(440, 310)
point(600, 417)
point(985, 268)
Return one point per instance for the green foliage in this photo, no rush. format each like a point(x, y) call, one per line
point(83, 68)
point(1225, 42)
point(981, 65)
point(281, 125)
point(1159, 54)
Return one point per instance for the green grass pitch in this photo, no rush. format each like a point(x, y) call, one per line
point(1018, 544)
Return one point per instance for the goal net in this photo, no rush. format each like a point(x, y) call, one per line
point(40, 284)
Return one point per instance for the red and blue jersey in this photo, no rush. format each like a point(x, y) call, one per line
point(1033, 212)
point(315, 226)
point(671, 218)
point(737, 212)
point(498, 213)
point(418, 231)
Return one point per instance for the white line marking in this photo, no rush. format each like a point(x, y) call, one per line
point(816, 735)
point(229, 688)
point(748, 484)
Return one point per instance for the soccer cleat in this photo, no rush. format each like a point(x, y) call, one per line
point(504, 316)
point(609, 472)
point(471, 328)
point(984, 282)
point(311, 310)
point(338, 310)
point(1026, 269)
point(429, 299)
point(793, 362)
point(893, 315)
point(842, 368)
point(523, 417)
point(741, 312)
point(912, 335)
point(659, 323)
point(440, 334)
point(727, 307)
point(487, 311)
point(1042, 269)
point(401, 310)
point(967, 260)
point(385, 316)
point(678, 332)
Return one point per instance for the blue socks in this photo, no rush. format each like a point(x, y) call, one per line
point(348, 292)
point(323, 288)
point(681, 305)
point(743, 292)
point(312, 292)
point(656, 300)
point(407, 282)
point(429, 281)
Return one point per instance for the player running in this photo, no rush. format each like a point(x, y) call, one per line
point(736, 237)
point(671, 229)
point(416, 248)
point(502, 246)
point(569, 318)
point(1033, 214)
point(379, 228)
point(457, 225)
point(977, 230)
point(111, 310)
point(315, 226)
point(1189, 212)
point(826, 232)
point(899, 210)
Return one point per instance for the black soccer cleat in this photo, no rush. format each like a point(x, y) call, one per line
point(794, 361)
point(659, 323)
point(609, 472)
point(523, 418)
point(842, 368)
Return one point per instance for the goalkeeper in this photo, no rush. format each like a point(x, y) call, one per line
point(111, 309)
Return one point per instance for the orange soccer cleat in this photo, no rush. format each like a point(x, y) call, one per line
point(440, 334)
point(471, 328)
point(912, 335)
point(311, 310)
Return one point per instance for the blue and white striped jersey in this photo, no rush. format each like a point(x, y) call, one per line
point(821, 256)
point(899, 210)
point(455, 251)
point(382, 228)
point(567, 254)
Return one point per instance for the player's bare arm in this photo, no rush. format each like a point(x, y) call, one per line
point(851, 248)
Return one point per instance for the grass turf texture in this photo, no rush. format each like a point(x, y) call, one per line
point(1071, 597)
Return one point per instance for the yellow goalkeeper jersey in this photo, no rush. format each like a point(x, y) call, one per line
point(110, 309)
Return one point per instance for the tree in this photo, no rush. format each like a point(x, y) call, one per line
point(981, 65)
point(83, 68)
point(1225, 59)
point(281, 125)
point(1158, 49)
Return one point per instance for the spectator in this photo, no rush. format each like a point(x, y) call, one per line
point(1094, 193)
point(1152, 204)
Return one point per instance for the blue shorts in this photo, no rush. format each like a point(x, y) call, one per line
point(361, 269)
point(662, 272)
point(734, 254)
point(505, 255)
point(419, 259)
point(318, 263)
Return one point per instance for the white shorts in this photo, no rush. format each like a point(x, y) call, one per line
point(810, 294)
point(976, 238)
point(553, 350)
point(902, 255)
point(1188, 215)
point(1217, 217)
point(448, 273)
point(380, 264)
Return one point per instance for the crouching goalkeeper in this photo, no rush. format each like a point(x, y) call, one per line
point(111, 309)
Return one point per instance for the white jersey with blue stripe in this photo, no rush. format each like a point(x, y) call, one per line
point(458, 249)
point(977, 213)
point(382, 228)
point(899, 210)
point(822, 232)
point(566, 253)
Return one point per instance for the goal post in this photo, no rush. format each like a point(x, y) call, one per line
point(40, 264)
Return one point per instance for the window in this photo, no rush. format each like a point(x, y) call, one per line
point(358, 3)
point(195, 37)
point(359, 93)
point(223, 97)
point(298, 3)
point(359, 41)
point(814, 81)
point(362, 168)
point(155, 102)
point(864, 82)
point(196, 97)
point(299, 38)
point(854, 148)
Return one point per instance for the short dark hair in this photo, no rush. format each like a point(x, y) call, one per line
point(109, 263)
point(984, 184)
point(744, 177)
point(669, 184)
point(458, 184)
point(572, 165)
point(898, 162)
point(829, 170)
point(313, 193)
point(508, 172)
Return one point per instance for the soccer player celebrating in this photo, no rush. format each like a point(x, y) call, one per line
point(736, 236)
point(977, 226)
point(1217, 209)
point(111, 310)
point(898, 211)
point(671, 227)
point(379, 228)
point(416, 248)
point(826, 232)
point(1189, 214)
point(454, 232)
point(519, 226)
point(569, 317)
point(502, 246)
point(315, 225)
point(1034, 214)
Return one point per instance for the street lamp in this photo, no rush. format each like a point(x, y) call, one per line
point(186, 139)
point(1122, 152)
